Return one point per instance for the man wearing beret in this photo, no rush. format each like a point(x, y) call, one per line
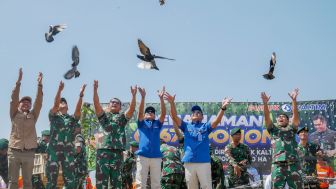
point(3, 159)
point(41, 149)
point(23, 138)
point(129, 166)
point(308, 153)
point(196, 143)
point(239, 157)
point(149, 154)
point(285, 160)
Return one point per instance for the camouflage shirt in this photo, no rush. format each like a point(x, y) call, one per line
point(307, 156)
point(326, 139)
point(81, 163)
point(129, 168)
point(217, 172)
point(171, 160)
point(62, 132)
point(283, 144)
point(112, 131)
point(237, 154)
point(41, 147)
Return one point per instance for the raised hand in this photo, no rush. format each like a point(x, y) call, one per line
point(39, 78)
point(81, 94)
point(95, 84)
point(226, 101)
point(162, 92)
point(265, 98)
point(20, 75)
point(294, 94)
point(142, 92)
point(169, 98)
point(134, 90)
point(61, 86)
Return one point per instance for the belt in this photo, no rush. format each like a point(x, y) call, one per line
point(23, 150)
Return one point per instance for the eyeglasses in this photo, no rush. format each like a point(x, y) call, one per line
point(114, 102)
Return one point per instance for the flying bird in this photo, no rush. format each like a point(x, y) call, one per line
point(148, 58)
point(162, 2)
point(269, 75)
point(75, 61)
point(53, 30)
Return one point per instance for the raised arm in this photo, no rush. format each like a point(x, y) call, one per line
point(293, 95)
point(217, 120)
point(14, 104)
point(163, 106)
point(173, 113)
point(129, 112)
point(96, 103)
point(142, 91)
point(39, 97)
point(57, 100)
point(268, 121)
point(77, 113)
point(177, 131)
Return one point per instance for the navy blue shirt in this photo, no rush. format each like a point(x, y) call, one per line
point(196, 142)
point(149, 138)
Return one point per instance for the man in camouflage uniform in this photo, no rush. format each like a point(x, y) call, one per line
point(41, 149)
point(239, 156)
point(172, 175)
point(217, 172)
point(111, 139)
point(4, 159)
point(308, 153)
point(129, 166)
point(61, 149)
point(80, 161)
point(325, 137)
point(285, 165)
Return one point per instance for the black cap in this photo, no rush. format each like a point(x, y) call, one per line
point(305, 128)
point(196, 107)
point(149, 109)
point(64, 100)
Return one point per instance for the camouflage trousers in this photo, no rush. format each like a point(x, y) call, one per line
point(108, 167)
point(284, 172)
point(127, 181)
point(37, 182)
point(173, 181)
point(66, 160)
point(235, 181)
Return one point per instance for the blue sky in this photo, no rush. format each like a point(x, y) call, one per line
point(221, 49)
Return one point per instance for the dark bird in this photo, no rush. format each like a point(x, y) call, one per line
point(162, 2)
point(147, 58)
point(269, 75)
point(75, 61)
point(53, 30)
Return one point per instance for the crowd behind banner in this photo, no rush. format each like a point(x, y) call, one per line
point(246, 115)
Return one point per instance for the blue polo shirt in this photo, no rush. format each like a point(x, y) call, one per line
point(149, 138)
point(196, 142)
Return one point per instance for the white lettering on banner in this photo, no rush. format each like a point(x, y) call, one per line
point(252, 120)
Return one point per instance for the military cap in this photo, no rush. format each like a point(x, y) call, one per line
point(45, 133)
point(305, 128)
point(134, 144)
point(3, 143)
point(235, 130)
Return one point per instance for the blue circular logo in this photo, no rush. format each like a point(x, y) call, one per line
point(286, 108)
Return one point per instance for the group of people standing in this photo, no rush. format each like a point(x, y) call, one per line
point(190, 165)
